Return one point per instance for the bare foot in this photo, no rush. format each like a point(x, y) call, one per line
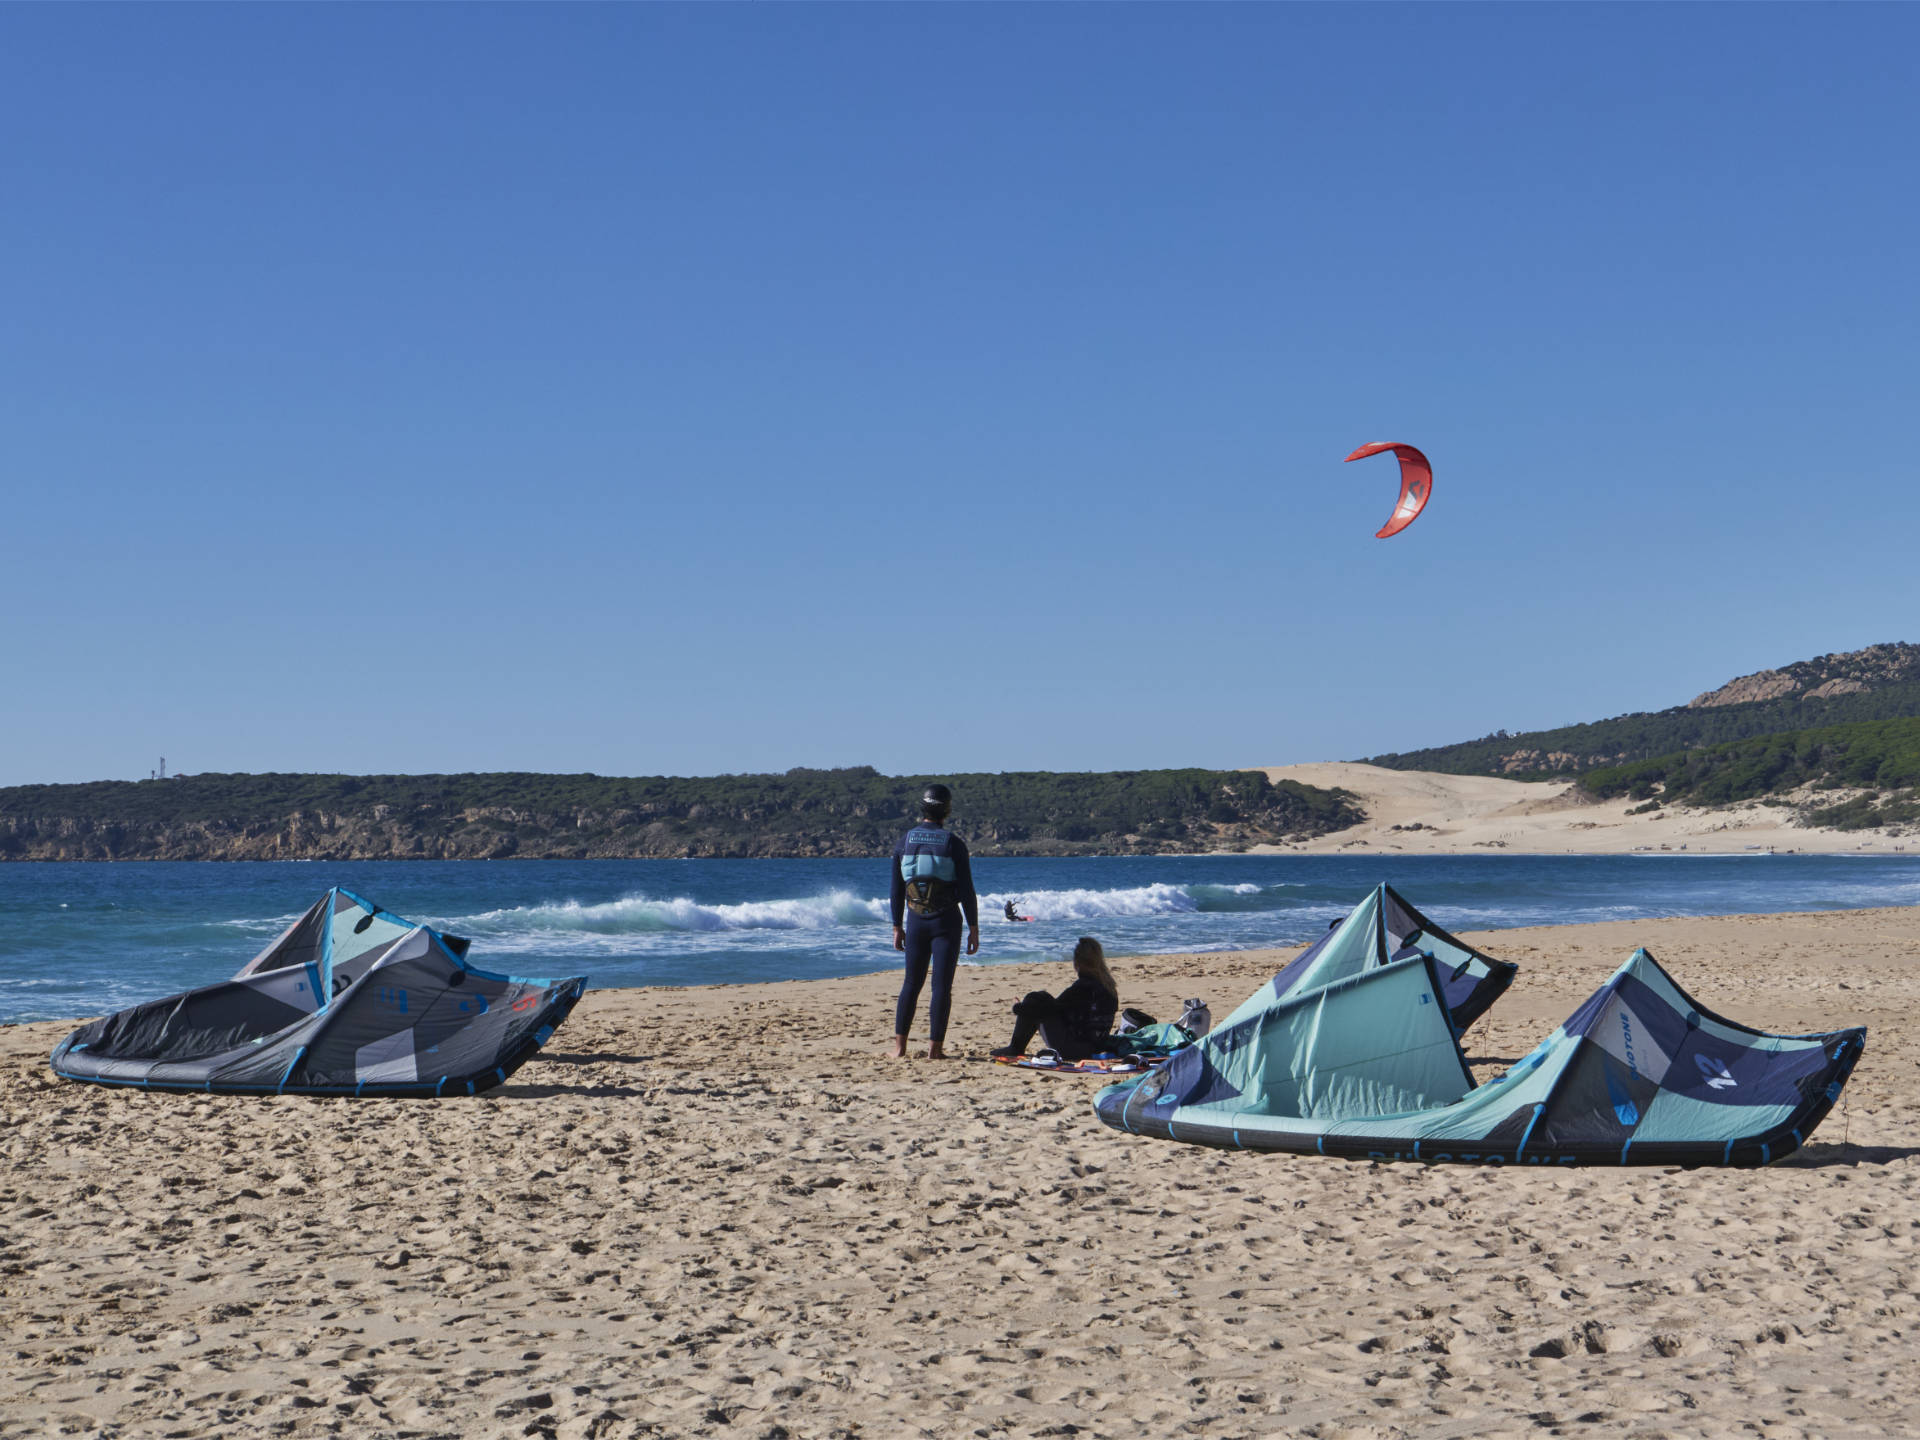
point(936, 1051)
point(899, 1051)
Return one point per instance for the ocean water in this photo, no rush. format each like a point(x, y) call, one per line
point(78, 940)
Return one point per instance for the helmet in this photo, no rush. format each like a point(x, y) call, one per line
point(935, 802)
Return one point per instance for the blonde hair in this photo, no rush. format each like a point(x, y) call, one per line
point(1090, 963)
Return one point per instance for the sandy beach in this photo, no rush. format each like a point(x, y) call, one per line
point(1417, 812)
point(721, 1212)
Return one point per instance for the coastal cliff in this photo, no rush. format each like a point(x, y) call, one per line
point(803, 813)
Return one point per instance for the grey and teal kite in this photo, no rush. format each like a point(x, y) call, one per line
point(1364, 1061)
point(349, 1000)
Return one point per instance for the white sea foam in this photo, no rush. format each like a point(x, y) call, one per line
point(1156, 899)
point(268, 923)
point(645, 914)
point(640, 914)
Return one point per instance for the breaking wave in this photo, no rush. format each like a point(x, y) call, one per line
point(1158, 899)
point(644, 915)
point(639, 915)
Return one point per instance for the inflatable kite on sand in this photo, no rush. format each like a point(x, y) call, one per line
point(1416, 484)
point(350, 1000)
point(1368, 1065)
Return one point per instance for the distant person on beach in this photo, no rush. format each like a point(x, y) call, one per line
point(1077, 1020)
point(932, 888)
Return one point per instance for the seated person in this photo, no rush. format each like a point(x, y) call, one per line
point(1076, 1021)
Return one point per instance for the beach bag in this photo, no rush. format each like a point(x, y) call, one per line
point(1132, 1020)
point(1196, 1019)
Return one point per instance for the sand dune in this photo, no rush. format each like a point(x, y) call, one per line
point(720, 1213)
point(1420, 813)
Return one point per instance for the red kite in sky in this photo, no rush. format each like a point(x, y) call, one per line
point(1416, 484)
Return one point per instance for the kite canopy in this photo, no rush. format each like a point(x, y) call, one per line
point(1416, 484)
point(349, 1000)
point(1369, 1067)
point(1381, 929)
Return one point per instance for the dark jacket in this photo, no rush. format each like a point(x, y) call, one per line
point(1086, 1010)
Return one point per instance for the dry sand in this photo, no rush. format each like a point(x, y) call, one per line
point(721, 1212)
point(1467, 814)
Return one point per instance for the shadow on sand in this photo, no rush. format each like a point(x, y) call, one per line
point(1816, 1156)
point(511, 1091)
point(519, 1089)
point(598, 1057)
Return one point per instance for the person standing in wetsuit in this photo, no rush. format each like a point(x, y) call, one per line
point(932, 888)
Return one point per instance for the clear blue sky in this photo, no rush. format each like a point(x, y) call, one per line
point(647, 389)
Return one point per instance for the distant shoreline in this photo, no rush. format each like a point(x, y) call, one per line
point(1418, 812)
point(849, 813)
point(1350, 847)
point(1400, 812)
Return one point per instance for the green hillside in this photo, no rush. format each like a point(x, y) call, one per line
point(801, 813)
point(1881, 682)
point(1882, 757)
point(1526, 755)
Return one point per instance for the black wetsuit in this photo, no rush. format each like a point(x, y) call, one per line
point(933, 940)
point(1074, 1022)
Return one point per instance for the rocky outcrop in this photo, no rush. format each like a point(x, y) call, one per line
point(1849, 673)
point(1837, 687)
point(1761, 685)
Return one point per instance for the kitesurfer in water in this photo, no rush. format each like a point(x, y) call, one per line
point(1074, 1022)
point(1011, 915)
point(932, 888)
